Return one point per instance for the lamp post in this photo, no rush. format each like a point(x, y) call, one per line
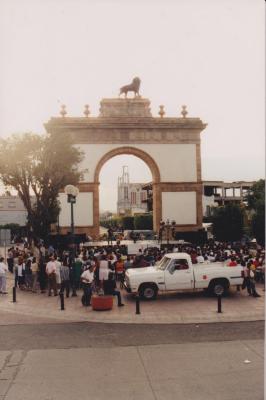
point(161, 229)
point(168, 228)
point(72, 193)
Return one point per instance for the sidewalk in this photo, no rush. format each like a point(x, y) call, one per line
point(169, 308)
point(187, 371)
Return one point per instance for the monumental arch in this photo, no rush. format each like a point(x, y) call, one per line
point(169, 146)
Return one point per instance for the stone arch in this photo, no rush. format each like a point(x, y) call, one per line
point(126, 125)
point(130, 151)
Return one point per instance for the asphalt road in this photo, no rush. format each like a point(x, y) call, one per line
point(66, 361)
point(93, 335)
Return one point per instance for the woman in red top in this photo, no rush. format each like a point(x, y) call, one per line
point(232, 263)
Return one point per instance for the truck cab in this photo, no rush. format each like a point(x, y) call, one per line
point(178, 272)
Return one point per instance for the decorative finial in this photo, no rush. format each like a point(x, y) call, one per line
point(86, 110)
point(161, 111)
point(63, 111)
point(184, 111)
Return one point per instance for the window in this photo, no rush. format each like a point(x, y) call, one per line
point(181, 264)
point(178, 265)
point(163, 263)
point(133, 197)
point(143, 196)
point(125, 192)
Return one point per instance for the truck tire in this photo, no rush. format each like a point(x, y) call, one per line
point(218, 287)
point(148, 291)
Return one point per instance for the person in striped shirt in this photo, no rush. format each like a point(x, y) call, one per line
point(64, 275)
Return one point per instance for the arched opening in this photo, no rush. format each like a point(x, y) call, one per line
point(131, 151)
point(127, 179)
point(123, 181)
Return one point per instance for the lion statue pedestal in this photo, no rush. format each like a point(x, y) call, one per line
point(136, 107)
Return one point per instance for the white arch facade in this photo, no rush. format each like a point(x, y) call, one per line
point(169, 146)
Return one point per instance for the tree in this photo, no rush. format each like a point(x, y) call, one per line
point(128, 222)
point(228, 222)
point(38, 167)
point(143, 222)
point(256, 203)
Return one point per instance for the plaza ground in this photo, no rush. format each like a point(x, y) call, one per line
point(168, 308)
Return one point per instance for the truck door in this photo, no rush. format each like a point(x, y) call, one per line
point(178, 275)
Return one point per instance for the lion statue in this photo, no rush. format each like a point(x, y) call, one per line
point(133, 87)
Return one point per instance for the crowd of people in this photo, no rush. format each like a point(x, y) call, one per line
point(101, 269)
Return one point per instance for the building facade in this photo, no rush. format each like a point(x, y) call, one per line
point(12, 211)
point(219, 193)
point(216, 193)
point(131, 198)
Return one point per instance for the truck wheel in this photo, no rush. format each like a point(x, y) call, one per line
point(148, 292)
point(218, 288)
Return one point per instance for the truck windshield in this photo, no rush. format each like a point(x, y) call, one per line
point(163, 263)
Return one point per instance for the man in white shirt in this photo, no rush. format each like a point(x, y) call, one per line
point(51, 274)
point(87, 278)
point(20, 272)
point(3, 270)
point(57, 272)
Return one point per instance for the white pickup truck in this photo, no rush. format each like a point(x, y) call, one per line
point(176, 272)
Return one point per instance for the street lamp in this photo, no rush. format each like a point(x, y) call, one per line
point(169, 228)
point(161, 229)
point(72, 193)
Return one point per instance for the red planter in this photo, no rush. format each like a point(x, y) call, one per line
point(102, 303)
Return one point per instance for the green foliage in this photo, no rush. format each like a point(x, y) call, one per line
point(256, 203)
point(256, 196)
point(143, 222)
point(128, 222)
point(140, 222)
point(228, 222)
point(258, 226)
point(113, 222)
point(13, 227)
point(38, 167)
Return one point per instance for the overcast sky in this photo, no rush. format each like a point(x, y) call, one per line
point(207, 54)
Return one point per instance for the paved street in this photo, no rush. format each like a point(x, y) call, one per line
point(84, 334)
point(99, 361)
